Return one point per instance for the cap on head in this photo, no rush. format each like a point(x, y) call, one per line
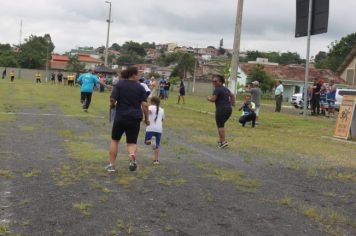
point(255, 82)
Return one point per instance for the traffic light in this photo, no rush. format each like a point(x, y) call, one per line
point(320, 17)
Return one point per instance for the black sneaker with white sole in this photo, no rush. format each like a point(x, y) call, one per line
point(133, 166)
point(223, 145)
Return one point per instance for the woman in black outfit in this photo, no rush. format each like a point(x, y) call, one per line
point(224, 101)
point(129, 99)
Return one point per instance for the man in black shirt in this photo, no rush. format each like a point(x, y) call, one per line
point(315, 101)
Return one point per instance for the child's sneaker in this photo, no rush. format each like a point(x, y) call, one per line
point(133, 166)
point(109, 168)
point(223, 145)
point(156, 162)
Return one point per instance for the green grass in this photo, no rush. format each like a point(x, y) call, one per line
point(7, 174)
point(32, 173)
point(82, 207)
point(4, 229)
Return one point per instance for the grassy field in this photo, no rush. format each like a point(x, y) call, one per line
point(288, 164)
point(280, 135)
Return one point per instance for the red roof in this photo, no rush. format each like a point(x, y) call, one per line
point(59, 62)
point(295, 72)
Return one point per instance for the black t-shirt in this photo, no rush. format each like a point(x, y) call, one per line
point(167, 86)
point(181, 86)
point(222, 97)
point(129, 95)
point(316, 90)
point(59, 75)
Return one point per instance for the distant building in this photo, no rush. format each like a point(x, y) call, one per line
point(347, 70)
point(171, 47)
point(60, 62)
point(292, 76)
point(152, 53)
point(85, 51)
point(263, 61)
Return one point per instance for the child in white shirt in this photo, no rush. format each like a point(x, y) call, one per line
point(155, 129)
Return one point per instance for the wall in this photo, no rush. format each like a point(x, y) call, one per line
point(351, 66)
point(28, 74)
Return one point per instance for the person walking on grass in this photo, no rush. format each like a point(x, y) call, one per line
point(248, 112)
point(278, 93)
point(87, 82)
point(129, 99)
point(4, 73)
point(224, 101)
point(154, 130)
point(38, 77)
point(256, 97)
point(53, 78)
point(181, 91)
point(12, 76)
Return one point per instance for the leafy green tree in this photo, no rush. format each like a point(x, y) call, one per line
point(289, 58)
point(186, 64)
point(147, 45)
point(8, 57)
point(35, 52)
point(338, 50)
point(133, 47)
point(174, 81)
point(115, 47)
point(258, 73)
point(74, 65)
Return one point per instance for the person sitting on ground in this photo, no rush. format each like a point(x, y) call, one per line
point(248, 111)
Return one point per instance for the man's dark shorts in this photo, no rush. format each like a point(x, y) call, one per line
point(222, 115)
point(182, 92)
point(130, 127)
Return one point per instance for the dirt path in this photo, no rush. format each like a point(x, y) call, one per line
point(56, 185)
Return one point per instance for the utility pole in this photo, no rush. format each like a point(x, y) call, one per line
point(306, 78)
point(108, 35)
point(236, 50)
point(20, 42)
point(195, 73)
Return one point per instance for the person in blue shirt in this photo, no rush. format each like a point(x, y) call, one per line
point(87, 82)
point(248, 112)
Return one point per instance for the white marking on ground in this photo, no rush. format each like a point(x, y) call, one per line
point(49, 114)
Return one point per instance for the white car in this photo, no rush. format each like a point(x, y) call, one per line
point(297, 99)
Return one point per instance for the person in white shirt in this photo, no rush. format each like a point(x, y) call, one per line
point(155, 129)
point(144, 85)
point(279, 96)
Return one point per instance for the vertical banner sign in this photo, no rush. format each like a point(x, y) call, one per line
point(346, 118)
point(320, 17)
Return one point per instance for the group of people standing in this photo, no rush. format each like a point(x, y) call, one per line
point(322, 97)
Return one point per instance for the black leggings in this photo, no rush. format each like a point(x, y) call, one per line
point(247, 118)
point(222, 115)
point(85, 99)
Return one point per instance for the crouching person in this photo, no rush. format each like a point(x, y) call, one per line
point(248, 111)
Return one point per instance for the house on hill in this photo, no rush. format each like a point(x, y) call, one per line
point(347, 70)
point(60, 62)
point(292, 76)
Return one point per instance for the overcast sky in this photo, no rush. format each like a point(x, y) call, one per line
point(268, 25)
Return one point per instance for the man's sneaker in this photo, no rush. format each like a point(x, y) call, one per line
point(156, 162)
point(109, 168)
point(133, 166)
point(153, 143)
point(223, 145)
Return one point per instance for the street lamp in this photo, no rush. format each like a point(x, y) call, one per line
point(108, 34)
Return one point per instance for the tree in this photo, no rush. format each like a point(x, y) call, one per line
point(186, 64)
point(338, 50)
point(74, 65)
point(36, 51)
point(115, 47)
point(147, 45)
point(8, 57)
point(289, 58)
point(133, 47)
point(127, 59)
point(258, 73)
